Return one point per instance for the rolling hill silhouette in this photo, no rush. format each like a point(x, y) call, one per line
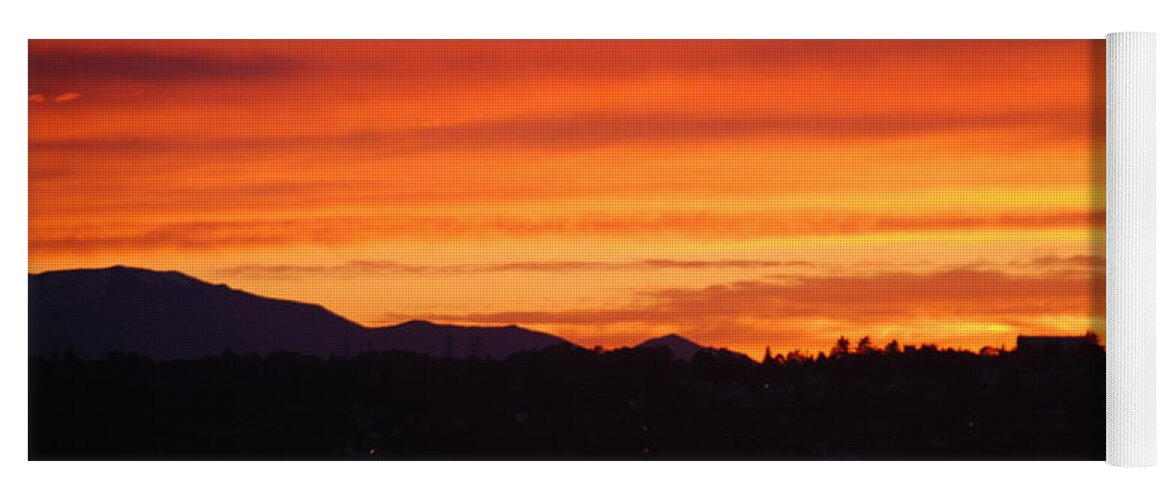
point(168, 315)
point(450, 341)
point(682, 347)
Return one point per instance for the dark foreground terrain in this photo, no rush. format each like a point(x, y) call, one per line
point(569, 403)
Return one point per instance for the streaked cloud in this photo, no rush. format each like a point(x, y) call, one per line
point(961, 307)
point(50, 65)
point(591, 130)
point(1088, 261)
point(299, 271)
point(859, 299)
point(208, 235)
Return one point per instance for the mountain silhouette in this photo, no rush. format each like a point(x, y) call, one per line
point(684, 349)
point(449, 341)
point(680, 346)
point(169, 315)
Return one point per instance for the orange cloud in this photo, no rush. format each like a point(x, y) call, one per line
point(66, 97)
point(589, 130)
point(366, 266)
point(338, 230)
point(808, 312)
point(958, 293)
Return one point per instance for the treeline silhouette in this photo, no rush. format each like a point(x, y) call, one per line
point(858, 401)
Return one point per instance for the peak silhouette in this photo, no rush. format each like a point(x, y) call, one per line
point(413, 324)
point(170, 315)
point(680, 346)
point(683, 348)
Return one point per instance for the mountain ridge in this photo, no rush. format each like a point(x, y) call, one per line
point(169, 315)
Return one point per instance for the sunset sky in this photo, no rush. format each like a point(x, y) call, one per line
point(743, 194)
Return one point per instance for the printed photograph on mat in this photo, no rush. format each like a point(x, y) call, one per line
point(566, 249)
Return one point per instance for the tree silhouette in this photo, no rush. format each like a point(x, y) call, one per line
point(865, 347)
point(797, 357)
point(840, 349)
point(893, 347)
point(1092, 338)
point(769, 359)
